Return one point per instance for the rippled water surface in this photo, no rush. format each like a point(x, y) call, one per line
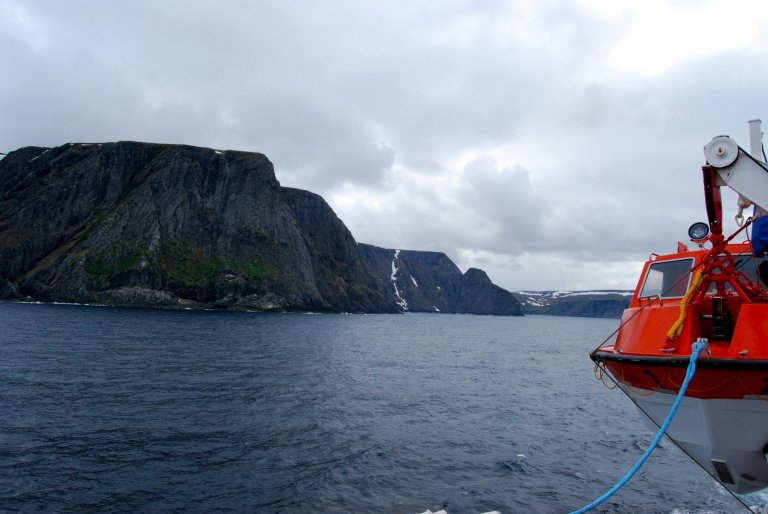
point(114, 410)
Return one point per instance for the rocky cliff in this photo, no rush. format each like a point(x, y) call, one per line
point(173, 226)
point(430, 282)
point(169, 225)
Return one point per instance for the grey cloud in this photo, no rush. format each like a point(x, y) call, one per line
point(376, 106)
point(504, 199)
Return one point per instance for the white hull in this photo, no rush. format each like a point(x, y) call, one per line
point(726, 437)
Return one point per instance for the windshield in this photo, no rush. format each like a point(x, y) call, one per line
point(667, 279)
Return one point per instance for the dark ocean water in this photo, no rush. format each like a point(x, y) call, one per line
point(116, 410)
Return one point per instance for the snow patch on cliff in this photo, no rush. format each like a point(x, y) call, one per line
point(33, 158)
point(394, 268)
point(400, 300)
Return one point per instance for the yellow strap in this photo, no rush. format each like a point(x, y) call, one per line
point(677, 327)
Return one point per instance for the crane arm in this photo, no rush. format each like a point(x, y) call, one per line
point(738, 170)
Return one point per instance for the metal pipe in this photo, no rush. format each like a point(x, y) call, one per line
point(756, 140)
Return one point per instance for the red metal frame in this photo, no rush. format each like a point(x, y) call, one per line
point(718, 265)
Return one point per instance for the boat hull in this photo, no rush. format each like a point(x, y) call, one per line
point(725, 436)
point(722, 422)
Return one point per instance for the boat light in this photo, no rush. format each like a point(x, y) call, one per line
point(698, 231)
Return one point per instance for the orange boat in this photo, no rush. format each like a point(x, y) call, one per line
point(715, 293)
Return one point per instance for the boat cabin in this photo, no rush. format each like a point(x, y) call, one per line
point(715, 311)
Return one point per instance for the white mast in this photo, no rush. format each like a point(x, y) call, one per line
point(756, 140)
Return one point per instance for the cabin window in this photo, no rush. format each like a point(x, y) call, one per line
point(667, 279)
point(756, 268)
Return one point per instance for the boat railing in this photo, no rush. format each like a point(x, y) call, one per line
point(650, 298)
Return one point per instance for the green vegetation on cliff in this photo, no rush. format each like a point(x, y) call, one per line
point(192, 266)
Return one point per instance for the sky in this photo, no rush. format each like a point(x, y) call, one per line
point(553, 144)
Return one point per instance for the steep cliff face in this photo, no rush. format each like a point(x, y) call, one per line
point(136, 223)
point(340, 273)
point(178, 226)
point(430, 282)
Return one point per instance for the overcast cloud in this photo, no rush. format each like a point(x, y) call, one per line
point(554, 144)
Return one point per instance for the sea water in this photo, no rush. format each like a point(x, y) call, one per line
point(121, 410)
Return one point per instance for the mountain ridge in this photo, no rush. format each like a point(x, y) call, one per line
point(591, 304)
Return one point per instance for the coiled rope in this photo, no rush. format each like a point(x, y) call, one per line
point(696, 348)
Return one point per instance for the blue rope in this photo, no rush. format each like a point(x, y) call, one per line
point(695, 350)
